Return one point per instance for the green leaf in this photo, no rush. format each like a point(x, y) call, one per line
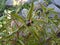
point(29, 16)
point(16, 16)
point(21, 42)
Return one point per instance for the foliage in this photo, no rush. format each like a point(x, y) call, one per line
point(15, 30)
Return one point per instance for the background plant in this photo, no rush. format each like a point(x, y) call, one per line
point(32, 30)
